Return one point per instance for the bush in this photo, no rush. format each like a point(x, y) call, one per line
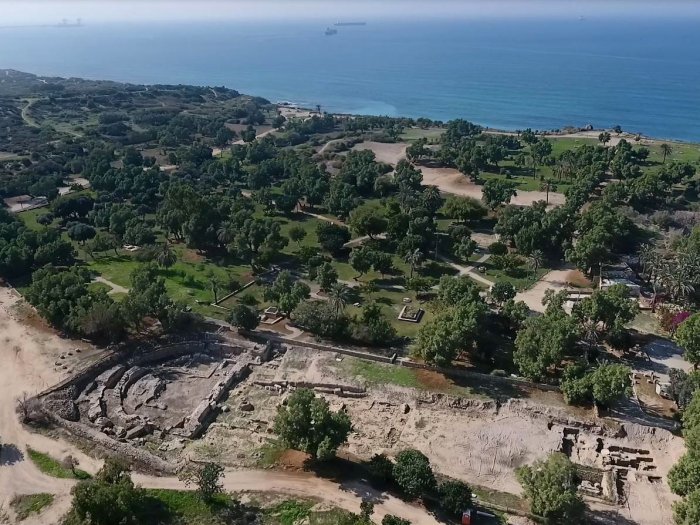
point(380, 469)
point(498, 248)
point(455, 497)
point(413, 474)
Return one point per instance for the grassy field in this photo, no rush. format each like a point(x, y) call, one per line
point(522, 279)
point(413, 134)
point(52, 467)
point(382, 374)
point(29, 504)
point(187, 508)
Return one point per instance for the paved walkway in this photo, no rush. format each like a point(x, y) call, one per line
point(470, 271)
point(115, 288)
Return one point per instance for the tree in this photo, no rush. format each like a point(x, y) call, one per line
point(207, 477)
point(464, 209)
point(339, 296)
point(498, 248)
point(414, 259)
point(607, 309)
point(550, 486)
point(80, 232)
point(326, 276)
point(688, 338)
point(610, 382)
point(111, 498)
point(332, 237)
point(361, 260)
point(307, 424)
point(367, 220)
point(380, 469)
point(496, 192)
point(687, 511)
point(456, 329)
point(604, 138)
point(542, 342)
point(684, 476)
point(666, 150)
point(602, 386)
point(502, 291)
point(319, 317)
point(243, 317)
point(297, 234)
point(366, 510)
point(413, 474)
point(166, 256)
point(373, 327)
point(455, 497)
point(535, 261)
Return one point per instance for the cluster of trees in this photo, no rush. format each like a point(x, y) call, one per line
point(412, 474)
point(544, 341)
point(62, 296)
point(684, 476)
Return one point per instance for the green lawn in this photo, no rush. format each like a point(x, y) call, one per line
point(28, 504)
point(522, 279)
point(29, 218)
point(52, 467)
point(412, 134)
point(376, 374)
point(187, 508)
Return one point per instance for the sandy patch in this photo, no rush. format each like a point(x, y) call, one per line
point(450, 180)
point(389, 153)
point(554, 280)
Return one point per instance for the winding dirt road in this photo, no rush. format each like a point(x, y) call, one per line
point(29, 365)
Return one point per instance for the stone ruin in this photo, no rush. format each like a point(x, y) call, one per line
point(168, 394)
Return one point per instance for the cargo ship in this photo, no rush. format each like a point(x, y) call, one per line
point(343, 24)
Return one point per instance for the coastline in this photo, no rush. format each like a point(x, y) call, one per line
point(584, 132)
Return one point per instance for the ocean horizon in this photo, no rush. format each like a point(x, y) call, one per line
point(501, 73)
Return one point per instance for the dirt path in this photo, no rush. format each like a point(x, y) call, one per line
point(28, 367)
point(344, 495)
point(29, 121)
point(115, 288)
point(216, 152)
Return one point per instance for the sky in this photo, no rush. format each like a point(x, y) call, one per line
point(52, 11)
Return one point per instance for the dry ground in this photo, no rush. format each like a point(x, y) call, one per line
point(478, 441)
point(389, 153)
point(450, 180)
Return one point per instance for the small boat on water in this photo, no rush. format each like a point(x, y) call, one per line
point(330, 31)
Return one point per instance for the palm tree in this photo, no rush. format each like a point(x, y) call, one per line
point(339, 296)
point(535, 261)
point(414, 258)
point(224, 235)
point(166, 257)
point(676, 280)
point(604, 137)
point(666, 150)
point(548, 185)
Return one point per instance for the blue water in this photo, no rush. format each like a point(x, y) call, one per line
point(641, 74)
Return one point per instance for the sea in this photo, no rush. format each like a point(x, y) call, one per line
point(642, 74)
